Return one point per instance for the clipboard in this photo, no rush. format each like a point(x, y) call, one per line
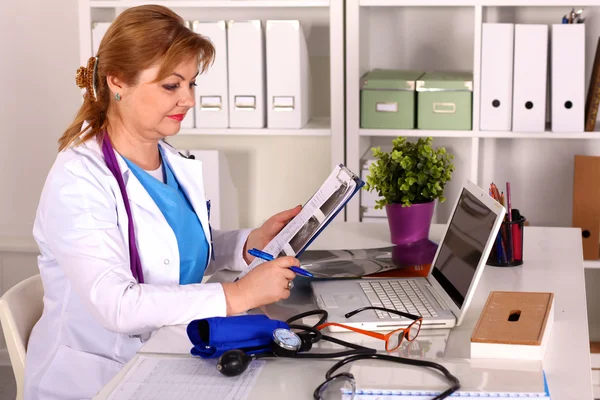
point(325, 204)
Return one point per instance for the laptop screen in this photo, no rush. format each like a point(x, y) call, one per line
point(462, 248)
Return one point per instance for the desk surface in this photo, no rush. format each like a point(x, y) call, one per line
point(553, 262)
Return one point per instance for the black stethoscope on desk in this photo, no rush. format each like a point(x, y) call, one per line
point(289, 344)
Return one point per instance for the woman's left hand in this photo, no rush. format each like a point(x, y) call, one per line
point(260, 237)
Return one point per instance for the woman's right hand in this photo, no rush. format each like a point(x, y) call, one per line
point(265, 284)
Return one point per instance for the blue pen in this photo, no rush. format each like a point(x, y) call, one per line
point(267, 257)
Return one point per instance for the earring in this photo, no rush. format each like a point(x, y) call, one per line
point(117, 97)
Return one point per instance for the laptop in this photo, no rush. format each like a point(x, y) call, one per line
point(443, 297)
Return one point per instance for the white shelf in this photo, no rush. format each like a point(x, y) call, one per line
point(477, 134)
point(213, 3)
point(592, 264)
point(414, 133)
point(472, 3)
point(318, 127)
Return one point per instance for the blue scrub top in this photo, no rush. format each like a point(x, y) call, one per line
point(179, 213)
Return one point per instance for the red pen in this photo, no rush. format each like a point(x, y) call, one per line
point(510, 233)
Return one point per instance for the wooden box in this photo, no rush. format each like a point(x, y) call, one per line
point(513, 325)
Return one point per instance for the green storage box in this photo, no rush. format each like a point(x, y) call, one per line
point(388, 99)
point(445, 101)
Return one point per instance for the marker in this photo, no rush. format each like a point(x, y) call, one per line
point(267, 257)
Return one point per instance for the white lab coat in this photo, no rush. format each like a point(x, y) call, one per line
point(95, 315)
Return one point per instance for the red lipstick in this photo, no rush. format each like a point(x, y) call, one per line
point(177, 117)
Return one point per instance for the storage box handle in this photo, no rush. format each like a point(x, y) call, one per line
point(245, 103)
point(444, 108)
point(283, 103)
point(386, 106)
point(210, 103)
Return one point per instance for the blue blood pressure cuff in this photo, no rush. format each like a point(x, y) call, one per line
point(212, 337)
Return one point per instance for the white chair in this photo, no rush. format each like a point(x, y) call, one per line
point(20, 308)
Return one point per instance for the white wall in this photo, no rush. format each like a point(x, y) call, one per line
point(38, 60)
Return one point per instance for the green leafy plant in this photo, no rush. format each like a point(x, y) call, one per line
point(410, 173)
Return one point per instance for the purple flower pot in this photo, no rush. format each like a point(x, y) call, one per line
point(409, 224)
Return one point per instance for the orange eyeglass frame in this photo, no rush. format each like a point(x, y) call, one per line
point(377, 335)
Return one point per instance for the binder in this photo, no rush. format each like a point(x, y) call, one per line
point(593, 95)
point(586, 204)
point(245, 52)
point(368, 199)
point(189, 120)
point(529, 83)
point(568, 77)
point(98, 31)
point(212, 103)
point(288, 75)
point(497, 48)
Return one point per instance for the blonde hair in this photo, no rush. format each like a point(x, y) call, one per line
point(137, 39)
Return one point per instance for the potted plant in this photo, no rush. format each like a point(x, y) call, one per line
point(408, 180)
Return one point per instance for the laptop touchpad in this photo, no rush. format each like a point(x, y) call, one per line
point(349, 300)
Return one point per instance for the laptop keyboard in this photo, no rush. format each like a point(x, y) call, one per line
point(402, 295)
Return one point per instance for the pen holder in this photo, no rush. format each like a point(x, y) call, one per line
point(508, 246)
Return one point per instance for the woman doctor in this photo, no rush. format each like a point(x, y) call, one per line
point(98, 310)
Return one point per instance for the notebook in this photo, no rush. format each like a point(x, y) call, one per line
point(478, 378)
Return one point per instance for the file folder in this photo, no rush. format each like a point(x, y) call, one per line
point(529, 84)
point(586, 204)
point(288, 75)
point(245, 52)
point(189, 120)
point(568, 78)
point(98, 31)
point(219, 189)
point(368, 199)
point(497, 48)
point(212, 103)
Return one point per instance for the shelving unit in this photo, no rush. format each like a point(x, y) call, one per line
point(316, 127)
point(477, 134)
point(214, 3)
point(436, 35)
point(259, 157)
point(474, 3)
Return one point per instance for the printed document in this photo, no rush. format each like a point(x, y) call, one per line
point(154, 378)
point(478, 378)
point(332, 196)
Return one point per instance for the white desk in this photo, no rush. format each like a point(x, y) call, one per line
point(553, 262)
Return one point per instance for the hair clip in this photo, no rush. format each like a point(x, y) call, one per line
point(86, 78)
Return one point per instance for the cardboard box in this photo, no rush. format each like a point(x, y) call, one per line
point(387, 99)
point(445, 101)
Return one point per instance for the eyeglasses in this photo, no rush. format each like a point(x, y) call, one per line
point(393, 339)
